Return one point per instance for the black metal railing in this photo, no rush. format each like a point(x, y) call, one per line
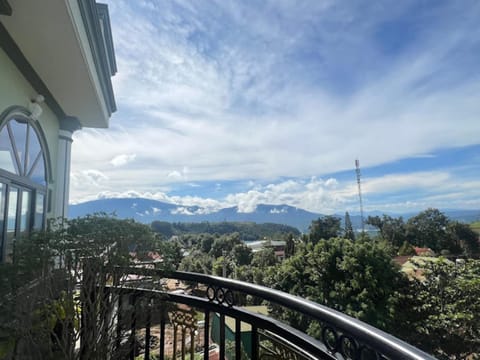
point(203, 320)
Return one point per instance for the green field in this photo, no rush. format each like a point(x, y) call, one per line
point(475, 226)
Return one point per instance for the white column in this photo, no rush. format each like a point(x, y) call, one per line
point(62, 179)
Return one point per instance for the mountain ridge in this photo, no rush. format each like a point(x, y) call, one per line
point(148, 210)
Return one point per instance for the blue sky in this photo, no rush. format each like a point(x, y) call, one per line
point(237, 103)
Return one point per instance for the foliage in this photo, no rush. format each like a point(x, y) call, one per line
point(248, 231)
point(429, 229)
point(41, 293)
point(391, 229)
point(463, 237)
point(326, 227)
point(406, 249)
point(198, 262)
point(264, 258)
point(357, 278)
point(242, 254)
point(289, 246)
point(348, 232)
point(441, 310)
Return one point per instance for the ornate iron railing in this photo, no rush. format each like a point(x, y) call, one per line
point(148, 319)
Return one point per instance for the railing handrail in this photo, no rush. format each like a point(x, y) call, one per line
point(377, 339)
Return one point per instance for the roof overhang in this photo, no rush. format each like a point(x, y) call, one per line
point(68, 44)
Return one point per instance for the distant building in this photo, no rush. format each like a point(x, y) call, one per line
point(277, 245)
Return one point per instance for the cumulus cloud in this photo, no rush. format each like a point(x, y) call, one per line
point(122, 159)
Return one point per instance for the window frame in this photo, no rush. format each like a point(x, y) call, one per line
point(23, 183)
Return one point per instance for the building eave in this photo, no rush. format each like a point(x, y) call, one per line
point(73, 66)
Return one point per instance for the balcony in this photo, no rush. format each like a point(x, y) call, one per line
point(195, 316)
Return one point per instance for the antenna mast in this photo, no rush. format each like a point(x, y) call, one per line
point(357, 170)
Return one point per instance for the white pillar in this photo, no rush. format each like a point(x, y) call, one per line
point(68, 126)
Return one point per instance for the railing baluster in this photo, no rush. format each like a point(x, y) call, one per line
point(162, 332)
point(147, 329)
point(192, 344)
point(184, 335)
point(222, 336)
point(238, 340)
point(254, 342)
point(119, 322)
point(133, 324)
point(206, 335)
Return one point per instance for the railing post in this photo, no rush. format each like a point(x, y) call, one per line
point(206, 335)
point(88, 294)
point(255, 344)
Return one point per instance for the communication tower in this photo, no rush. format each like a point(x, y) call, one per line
point(357, 170)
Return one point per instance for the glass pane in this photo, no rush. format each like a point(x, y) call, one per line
point(33, 148)
point(2, 209)
point(39, 207)
point(38, 172)
point(11, 221)
point(25, 211)
point(7, 161)
point(19, 130)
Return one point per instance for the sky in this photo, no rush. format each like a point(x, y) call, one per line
point(240, 103)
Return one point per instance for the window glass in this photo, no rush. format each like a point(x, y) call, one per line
point(2, 209)
point(7, 160)
point(11, 222)
point(19, 131)
point(25, 211)
point(39, 207)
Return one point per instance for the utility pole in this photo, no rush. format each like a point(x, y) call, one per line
point(357, 170)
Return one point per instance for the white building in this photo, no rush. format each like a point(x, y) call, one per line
point(56, 63)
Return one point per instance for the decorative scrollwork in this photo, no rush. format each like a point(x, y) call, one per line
point(330, 338)
point(346, 345)
point(220, 295)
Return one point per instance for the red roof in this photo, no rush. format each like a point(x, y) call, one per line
point(422, 251)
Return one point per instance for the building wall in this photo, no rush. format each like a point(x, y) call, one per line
point(16, 91)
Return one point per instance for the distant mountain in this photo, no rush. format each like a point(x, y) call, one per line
point(146, 211)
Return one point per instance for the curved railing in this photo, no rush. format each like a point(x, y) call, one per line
point(342, 337)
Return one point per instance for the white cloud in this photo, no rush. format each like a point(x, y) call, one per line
point(428, 189)
point(122, 159)
point(225, 91)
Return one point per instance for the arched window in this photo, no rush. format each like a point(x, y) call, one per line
point(23, 181)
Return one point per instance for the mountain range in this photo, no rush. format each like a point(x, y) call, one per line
point(147, 210)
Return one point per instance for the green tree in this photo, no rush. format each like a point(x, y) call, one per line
point(463, 237)
point(348, 231)
point(357, 278)
point(441, 310)
point(391, 229)
point(289, 245)
point(224, 243)
point(264, 258)
point(198, 262)
point(429, 229)
point(241, 254)
point(326, 227)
